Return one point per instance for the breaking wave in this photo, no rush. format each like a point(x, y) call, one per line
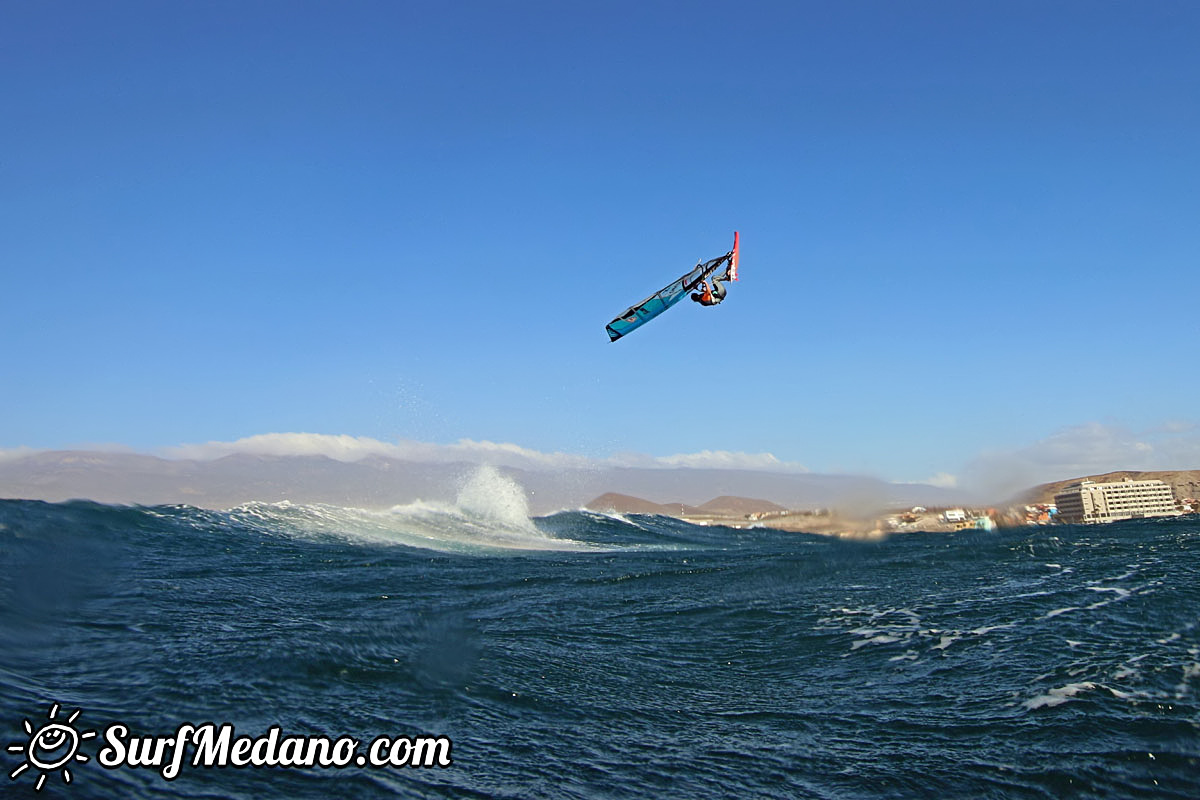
point(489, 514)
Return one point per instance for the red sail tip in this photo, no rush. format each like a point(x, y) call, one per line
point(733, 259)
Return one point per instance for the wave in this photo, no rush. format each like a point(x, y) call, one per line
point(490, 513)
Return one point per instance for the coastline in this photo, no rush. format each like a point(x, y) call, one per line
point(830, 523)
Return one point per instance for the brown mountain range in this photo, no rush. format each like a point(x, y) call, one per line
point(626, 504)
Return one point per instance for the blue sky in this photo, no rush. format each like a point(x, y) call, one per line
point(969, 229)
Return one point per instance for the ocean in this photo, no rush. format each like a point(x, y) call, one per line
point(581, 655)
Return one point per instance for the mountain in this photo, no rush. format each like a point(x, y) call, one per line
point(1185, 483)
point(693, 486)
point(723, 506)
point(128, 478)
point(381, 482)
point(739, 506)
point(624, 504)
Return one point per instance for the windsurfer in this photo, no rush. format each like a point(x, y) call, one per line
point(710, 297)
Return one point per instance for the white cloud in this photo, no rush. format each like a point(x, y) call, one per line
point(355, 448)
point(500, 453)
point(340, 448)
point(14, 453)
point(943, 480)
point(724, 459)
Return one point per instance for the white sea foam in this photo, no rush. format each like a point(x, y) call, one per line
point(1184, 688)
point(1117, 590)
point(883, 638)
point(1059, 695)
point(491, 496)
point(883, 626)
point(615, 516)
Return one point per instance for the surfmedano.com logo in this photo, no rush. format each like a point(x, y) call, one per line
point(54, 747)
point(51, 748)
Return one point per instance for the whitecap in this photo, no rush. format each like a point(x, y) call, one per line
point(1059, 695)
point(881, 639)
point(1121, 593)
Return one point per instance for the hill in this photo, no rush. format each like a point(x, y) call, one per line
point(723, 506)
point(739, 506)
point(382, 482)
point(625, 504)
point(1185, 483)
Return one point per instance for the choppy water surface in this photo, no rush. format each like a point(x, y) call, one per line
point(585, 656)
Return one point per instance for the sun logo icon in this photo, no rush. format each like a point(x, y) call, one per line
point(54, 746)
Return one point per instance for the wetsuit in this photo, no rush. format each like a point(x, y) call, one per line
point(718, 291)
point(710, 297)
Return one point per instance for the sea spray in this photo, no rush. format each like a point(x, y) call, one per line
point(490, 495)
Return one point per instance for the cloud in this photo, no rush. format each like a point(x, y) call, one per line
point(943, 480)
point(497, 453)
point(1089, 449)
point(355, 448)
point(14, 453)
point(724, 459)
point(339, 448)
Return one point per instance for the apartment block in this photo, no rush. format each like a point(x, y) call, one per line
point(1088, 502)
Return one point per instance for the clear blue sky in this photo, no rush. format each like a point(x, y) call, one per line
point(967, 227)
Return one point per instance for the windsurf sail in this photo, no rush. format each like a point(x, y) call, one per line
point(639, 314)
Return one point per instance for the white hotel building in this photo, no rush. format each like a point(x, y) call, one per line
point(1107, 502)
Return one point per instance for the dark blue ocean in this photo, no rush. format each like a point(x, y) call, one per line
point(585, 656)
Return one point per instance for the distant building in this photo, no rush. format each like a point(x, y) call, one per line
point(1089, 502)
point(1040, 514)
point(954, 515)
